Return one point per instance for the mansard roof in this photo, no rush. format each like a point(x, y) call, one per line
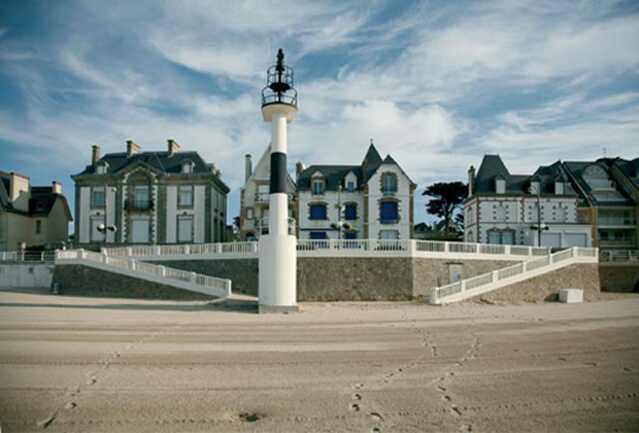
point(334, 174)
point(492, 167)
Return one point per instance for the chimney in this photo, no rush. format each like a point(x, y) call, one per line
point(56, 187)
point(471, 181)
point(95, 154)
point(131, 148)
point(248, 167)
point(299, 168)
point(173, 146)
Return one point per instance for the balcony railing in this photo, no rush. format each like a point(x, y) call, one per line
point(137, 204)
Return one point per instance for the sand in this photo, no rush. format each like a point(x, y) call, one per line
point(109, 365)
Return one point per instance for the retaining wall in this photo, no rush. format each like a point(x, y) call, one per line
point(25, 275)
point(618, 277)
point(545, 287)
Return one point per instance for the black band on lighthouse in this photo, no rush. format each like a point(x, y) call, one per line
point(278, 172)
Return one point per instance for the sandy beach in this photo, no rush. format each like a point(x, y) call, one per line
point(109, 365)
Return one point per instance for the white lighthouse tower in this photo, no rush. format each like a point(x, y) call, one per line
point(278, 256)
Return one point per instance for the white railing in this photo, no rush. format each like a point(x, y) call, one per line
point(619, 256)
point(342, 247)
point(143, 269)
point(439, 294)
point(27, 256)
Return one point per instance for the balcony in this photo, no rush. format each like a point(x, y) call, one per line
point(138, 205)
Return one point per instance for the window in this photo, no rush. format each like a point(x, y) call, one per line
point(98, 198)
point(388, 212)
point(318, 212)
point(38, 227)
point(389, 183)
point(559, 188)
point(350, 186)
point(350, 211)
point(187, 167)
point(101, 169)
point(351, 234)
point(317, 186)
point(389, 234)
point(185, 196)
point(185, 228)
point(500, 186)
point(318, 235)
point(494, 237)
point(141, 197)
point(249, 213)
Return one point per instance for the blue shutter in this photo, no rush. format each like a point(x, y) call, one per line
point(388, 211)
point(350, 212)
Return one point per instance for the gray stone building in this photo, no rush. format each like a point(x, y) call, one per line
point(159, 197)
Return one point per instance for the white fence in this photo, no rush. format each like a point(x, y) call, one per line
point(335, 247)
point(492, 279)
point(157, 273)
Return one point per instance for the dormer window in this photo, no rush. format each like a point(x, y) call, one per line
point(318, 185)
point(350, 182)
point(559, 187)
point(101, 168)
point(535, 187)
point(188, 166)
point(500, 186)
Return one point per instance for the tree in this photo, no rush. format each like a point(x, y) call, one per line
point(446, 202)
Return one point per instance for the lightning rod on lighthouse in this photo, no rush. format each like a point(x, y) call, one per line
point(277, 290)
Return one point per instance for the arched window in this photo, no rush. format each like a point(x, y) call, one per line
point(389, 183)
point(318, 185)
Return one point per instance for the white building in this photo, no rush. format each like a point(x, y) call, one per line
point(371, 200)
point(254, 197)
point(503, 208)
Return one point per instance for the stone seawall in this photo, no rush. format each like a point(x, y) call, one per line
point(617, 277)
point(430, 273)
point(545, 287)
point(79, 280)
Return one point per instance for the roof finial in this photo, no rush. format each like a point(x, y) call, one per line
point(280, 60)
point(371, 142)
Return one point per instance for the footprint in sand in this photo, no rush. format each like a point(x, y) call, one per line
point(354, 407)
point(376, 416)
point(357, 397)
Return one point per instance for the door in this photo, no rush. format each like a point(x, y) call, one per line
point(140, 231)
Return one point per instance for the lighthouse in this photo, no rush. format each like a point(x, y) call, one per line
point(277, 290)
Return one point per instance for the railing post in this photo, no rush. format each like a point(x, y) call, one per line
point(158, 250)
point(524, 267)
point(132, 265)
point(446, 247)
point(412, 245)
point(129, 251)
point(463, 285)
point(218, 248)
point(478, 248)
point(530, 251)
point(507, 250)
point(162, 271)
point(495, 276)
point(187, 249)
point(193, 277)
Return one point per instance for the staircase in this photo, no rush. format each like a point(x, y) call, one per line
point(484, 283)
point(190, 281)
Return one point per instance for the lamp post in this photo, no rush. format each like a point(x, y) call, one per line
point(539, 227)
point(105, 227)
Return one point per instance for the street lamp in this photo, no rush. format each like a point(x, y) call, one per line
point(539, 226)
point(106, 227)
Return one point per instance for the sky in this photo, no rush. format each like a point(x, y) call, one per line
point(436, 84)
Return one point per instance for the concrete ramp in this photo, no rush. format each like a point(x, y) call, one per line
point(191, 281)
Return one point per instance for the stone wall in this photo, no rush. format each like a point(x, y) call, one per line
point(616, 277)
point(546, 287)
point(354, 279)
point(430, 273)
point(242, 272)
point(86, 281)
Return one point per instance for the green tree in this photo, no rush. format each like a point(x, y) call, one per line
point(446, 201)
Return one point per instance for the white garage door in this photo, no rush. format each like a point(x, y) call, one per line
point(576, 240)
point(140, 231)
point(551, 240)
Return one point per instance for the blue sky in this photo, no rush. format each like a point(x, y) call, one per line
point(435, 84)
